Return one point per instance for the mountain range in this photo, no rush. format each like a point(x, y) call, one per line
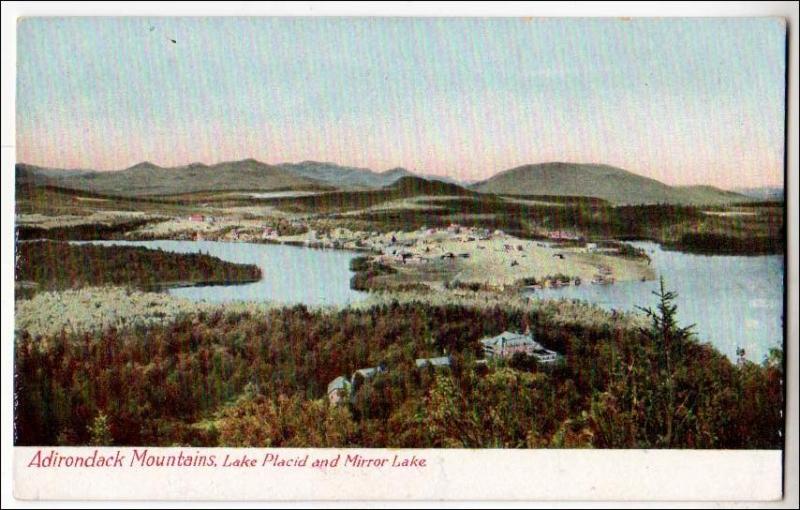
point(763, 193)
point(606, 182)
point(344, 176)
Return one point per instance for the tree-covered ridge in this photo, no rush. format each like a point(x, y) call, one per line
point(60, 265)
point(681, 227)
point(261, 380)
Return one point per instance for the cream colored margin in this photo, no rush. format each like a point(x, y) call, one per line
point(622, 475)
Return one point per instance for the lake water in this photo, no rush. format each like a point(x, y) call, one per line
point(284, 194)
point(734, 301)
point(290, 274)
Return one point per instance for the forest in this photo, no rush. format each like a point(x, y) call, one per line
point(60, 265)
point(82, 232)
point(260, 379)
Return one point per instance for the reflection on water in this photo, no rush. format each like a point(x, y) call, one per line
point(732, 300)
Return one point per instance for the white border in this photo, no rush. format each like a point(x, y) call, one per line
point(12, 10)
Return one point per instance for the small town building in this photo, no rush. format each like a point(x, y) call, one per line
point(196, 217)
point(442, 361)
point(269, 233)
point(338, 390)
point(562, 235)
point(482, 233)
point(341, 390)
point(454, 228)
point(367, 373)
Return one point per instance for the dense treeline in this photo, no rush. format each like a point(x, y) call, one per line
point(59, 265)
point(366, 271)
point(260, 380)
point(712, 243)
point(83, 232)
point(523, 218)
point(339, 201)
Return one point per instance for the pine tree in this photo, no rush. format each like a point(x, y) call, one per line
point(669, 339)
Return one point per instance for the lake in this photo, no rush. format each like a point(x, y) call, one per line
point(734, 301)
point(290, 274)
point(284, 194)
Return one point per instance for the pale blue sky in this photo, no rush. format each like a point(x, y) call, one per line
point(683, 101)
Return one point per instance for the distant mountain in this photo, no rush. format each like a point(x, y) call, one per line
point(413, 185)
point(613, 184)
point(150, 179)
point(32, 171)
point(708, 195)
point(445, 178)
point(348, 177)
point(763, 193)
point(337, 175)
point(394, 174)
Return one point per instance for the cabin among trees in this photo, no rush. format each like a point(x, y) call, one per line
point(503, 346)
point(341, 389)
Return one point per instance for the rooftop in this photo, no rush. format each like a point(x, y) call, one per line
point(442, 361)
point(340, 383)
point(509, 338)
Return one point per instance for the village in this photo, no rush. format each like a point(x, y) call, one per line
point(429, 256)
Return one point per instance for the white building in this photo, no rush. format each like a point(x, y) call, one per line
point(506, 344)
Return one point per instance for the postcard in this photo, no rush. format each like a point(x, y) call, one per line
point(332, 258)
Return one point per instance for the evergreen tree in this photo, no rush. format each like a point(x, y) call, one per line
point(669, 340)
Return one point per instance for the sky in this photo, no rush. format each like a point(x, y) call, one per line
point(692, 101)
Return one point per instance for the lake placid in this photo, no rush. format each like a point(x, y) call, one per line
point(734, 301)
point(290, 274)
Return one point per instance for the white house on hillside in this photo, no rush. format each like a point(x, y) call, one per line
point(506, 344)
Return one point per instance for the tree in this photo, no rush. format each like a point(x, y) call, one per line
point(100, 432)
point(774, 358)
point(669, 340)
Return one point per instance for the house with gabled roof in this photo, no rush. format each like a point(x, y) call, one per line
point(442, 361)
point(338, 390)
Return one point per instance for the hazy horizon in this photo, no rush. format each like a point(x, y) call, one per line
point(682, 101)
